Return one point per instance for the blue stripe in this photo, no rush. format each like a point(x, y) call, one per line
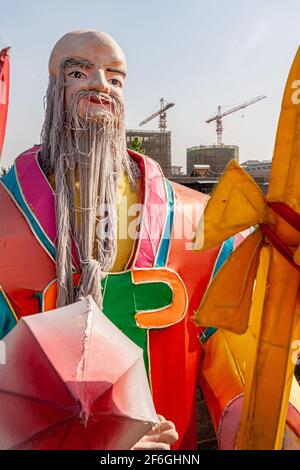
point(162, 255)
point(7, 318)
point(225, 252)
point(11, 183)
point(207, 333)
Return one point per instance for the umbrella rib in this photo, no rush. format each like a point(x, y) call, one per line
point(81, 369)
point(121, 415)
point(67, 433)
point(68, 430)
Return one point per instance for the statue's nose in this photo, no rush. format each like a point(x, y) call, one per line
point(99, 82)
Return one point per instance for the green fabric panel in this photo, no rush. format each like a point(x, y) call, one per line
point(7, 318)
point(118, 306)
point(122, 300)
point(40, 298)
point(152, 296)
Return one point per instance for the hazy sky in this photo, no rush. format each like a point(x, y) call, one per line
point(197, 53)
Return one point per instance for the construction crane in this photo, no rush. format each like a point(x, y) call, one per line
point(220, 115)
point(162, 124)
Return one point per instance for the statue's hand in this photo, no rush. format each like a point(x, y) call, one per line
point(161, 437)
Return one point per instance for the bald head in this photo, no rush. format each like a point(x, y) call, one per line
point(91, 62)
point(86, 45)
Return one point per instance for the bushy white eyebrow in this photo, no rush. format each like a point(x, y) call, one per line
point(112, 69)
point(85, 63)
point(82, 63)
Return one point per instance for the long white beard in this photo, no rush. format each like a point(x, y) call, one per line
point(90, 153)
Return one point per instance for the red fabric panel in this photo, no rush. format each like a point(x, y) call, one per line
point(175, 351)
point(287, 213)
point(4, 93)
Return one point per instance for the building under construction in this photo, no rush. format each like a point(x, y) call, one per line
point(217, 157)
point(260, 172)
point(156, 144)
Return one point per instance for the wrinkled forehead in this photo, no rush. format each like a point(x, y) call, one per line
point(96, 47)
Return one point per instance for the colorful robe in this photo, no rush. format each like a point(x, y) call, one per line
point(152, 300)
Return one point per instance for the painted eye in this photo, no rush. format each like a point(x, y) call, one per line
point(116, 82)
point(77, 74)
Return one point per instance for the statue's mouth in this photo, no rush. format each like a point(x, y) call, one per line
point(100, 101)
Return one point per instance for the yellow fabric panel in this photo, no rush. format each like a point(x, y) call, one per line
point(227, 301)
point(224, 366)
point(273, 325)
point(236, 204)
point(126, 198)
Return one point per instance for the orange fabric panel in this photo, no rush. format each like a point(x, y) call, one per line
point(169, 315)
point(193, 267)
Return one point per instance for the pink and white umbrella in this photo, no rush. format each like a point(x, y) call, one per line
point(72, 380)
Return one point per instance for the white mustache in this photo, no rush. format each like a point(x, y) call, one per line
point(93, 94)
point(100, 97)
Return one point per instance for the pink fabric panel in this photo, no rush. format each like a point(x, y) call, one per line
point(37, 191)
point(154, 214)
point(239, 237)
point(38, 194)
